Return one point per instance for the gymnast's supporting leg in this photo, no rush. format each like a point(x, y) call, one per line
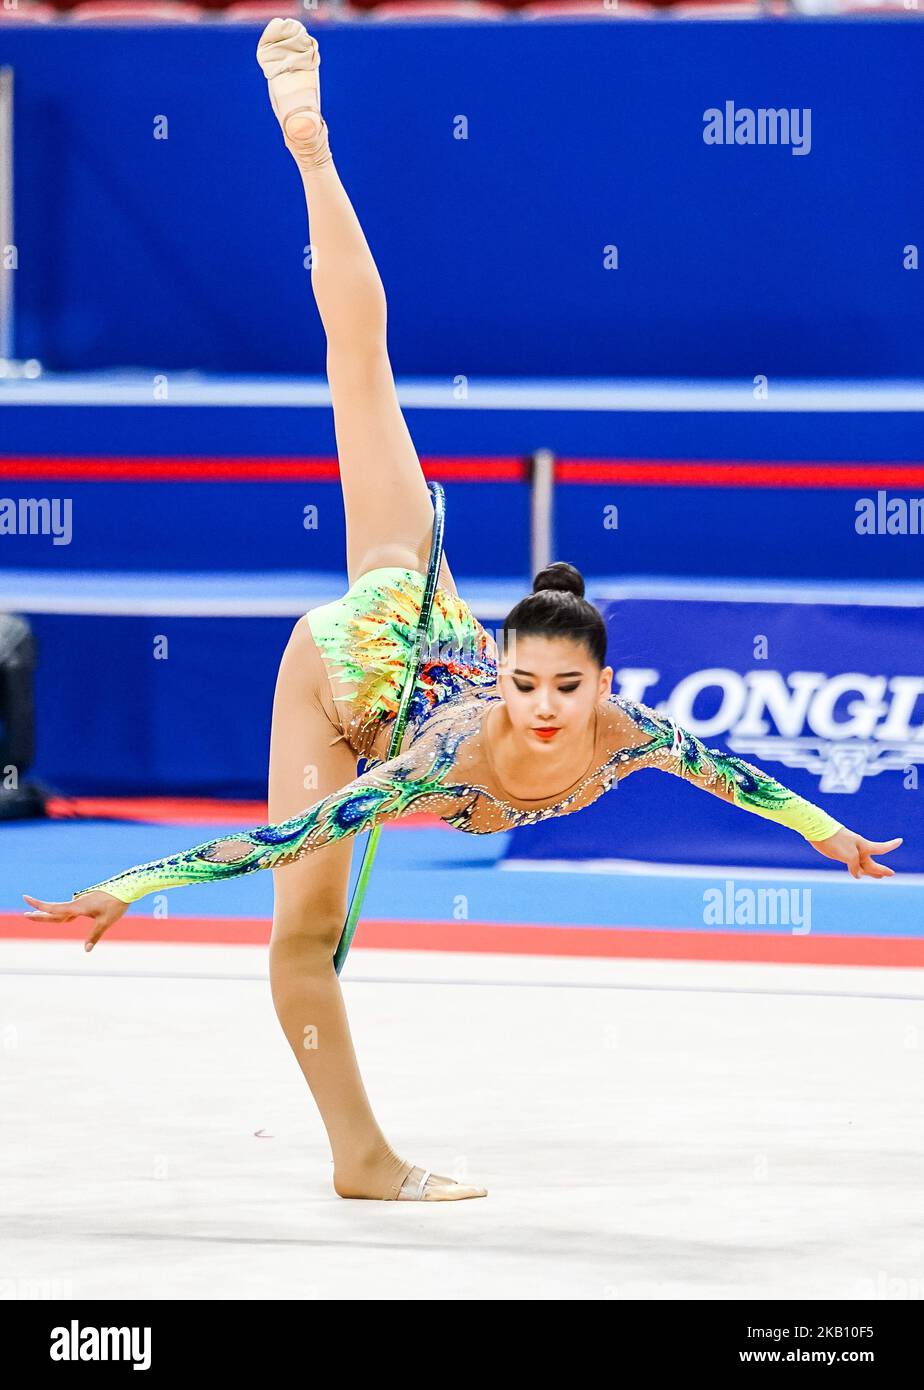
point(307, 762)
point(310, 904)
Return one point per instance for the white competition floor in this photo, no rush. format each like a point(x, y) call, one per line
point(646, 1129)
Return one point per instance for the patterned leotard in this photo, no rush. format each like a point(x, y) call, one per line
point(366, 639)
point(446, 768)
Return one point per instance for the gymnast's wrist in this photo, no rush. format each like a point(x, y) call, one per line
point(106, 887)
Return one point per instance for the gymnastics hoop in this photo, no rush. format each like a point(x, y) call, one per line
point(410, 681)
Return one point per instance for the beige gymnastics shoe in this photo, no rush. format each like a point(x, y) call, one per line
point(422, 1185)
point(290, 60)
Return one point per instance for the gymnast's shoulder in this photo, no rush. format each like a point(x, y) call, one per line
point(628, 722)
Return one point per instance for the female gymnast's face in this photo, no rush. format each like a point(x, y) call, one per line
point(551, 683)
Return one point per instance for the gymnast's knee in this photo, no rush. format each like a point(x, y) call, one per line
point(304, 938)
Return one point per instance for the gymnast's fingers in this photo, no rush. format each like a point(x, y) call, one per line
point(869, 867)
point(50, 912)
point(880, 846)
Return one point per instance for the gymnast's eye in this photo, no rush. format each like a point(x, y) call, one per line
point(563, 689)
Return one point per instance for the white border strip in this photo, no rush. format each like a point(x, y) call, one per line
point(758, 591)
point(578, 394)
point(236, 595)
point(642, 868)
point(196, 595)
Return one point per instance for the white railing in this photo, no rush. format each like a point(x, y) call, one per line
point(7, 243)
point(541, 509)
point(10, 368)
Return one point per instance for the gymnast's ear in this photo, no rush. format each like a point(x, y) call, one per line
point(606, 682)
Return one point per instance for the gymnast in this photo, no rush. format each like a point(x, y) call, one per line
point(495, 738)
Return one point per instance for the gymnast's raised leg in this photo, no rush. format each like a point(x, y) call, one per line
point(389, 518)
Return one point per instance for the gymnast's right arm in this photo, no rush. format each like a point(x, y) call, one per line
point(412, 782)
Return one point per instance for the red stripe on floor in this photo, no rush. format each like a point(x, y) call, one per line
point(493, 938)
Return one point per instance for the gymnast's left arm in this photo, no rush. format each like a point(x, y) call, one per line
point(674, 749)
point(411, 782)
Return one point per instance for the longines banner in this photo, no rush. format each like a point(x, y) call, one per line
point(827, 698)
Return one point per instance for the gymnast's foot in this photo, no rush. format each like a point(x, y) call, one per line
point(290, 60)
point(390, 1179)
point(421, 1185)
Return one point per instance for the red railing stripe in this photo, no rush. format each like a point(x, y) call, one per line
point(498, 469)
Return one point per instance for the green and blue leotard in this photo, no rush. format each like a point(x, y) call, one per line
point(446, 770)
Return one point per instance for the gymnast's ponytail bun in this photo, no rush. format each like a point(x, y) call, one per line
point(560, 575)
point(557, 608)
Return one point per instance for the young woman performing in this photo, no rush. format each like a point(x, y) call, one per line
point(494, 740)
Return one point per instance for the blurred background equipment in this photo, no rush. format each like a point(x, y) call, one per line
point(19, 799)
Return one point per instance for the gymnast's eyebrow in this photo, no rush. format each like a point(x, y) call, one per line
point(560, 676)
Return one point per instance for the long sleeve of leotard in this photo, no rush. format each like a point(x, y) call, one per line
point(409, 783)
point(674, 749)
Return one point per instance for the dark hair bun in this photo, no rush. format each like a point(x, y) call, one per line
point(560, 575)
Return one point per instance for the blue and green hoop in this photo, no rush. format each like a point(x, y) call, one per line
point(415, 661)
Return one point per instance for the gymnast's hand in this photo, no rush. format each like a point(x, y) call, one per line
point(851, 849)
point(102, 907)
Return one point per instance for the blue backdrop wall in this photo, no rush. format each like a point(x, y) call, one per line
point(732, 260)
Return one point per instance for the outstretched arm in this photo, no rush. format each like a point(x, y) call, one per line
point(417, 780)
point(664, 744)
